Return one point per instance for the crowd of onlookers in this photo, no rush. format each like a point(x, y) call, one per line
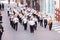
point(1, 26)
point(1, 6)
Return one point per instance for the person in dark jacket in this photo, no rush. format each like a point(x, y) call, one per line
point(1, 31)
point(0, 6)
point(0, 17)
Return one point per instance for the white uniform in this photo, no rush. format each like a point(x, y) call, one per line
point(11, 18)
point(32, 25)
point(31, 22)
point(20, 15)
point(45, 17)
point(28, 9)
point(15, 20)
point(24, 20)
point(49, 19)
point(11, 13)
point(23, 11)
point(16, 11)
point(35, 19)
point(8, 9)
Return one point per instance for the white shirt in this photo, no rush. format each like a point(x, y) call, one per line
point(41, 17)
point(24, 20)
point(11, 18)
point(16, 11)
point(24, 7)
point(31, 22)
point(10, 12)
point(35, 12)
point(8, 9)
point(45, 16)
point(20, 15)
point(28, 9)
point(32, 10)
point(23, 11)
point(49, 19)
point(15, 20)
point(35, 19)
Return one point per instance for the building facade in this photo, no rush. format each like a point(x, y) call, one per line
point(44, 6)
point(57, 9)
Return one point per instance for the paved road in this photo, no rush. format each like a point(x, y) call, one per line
point(40, 34)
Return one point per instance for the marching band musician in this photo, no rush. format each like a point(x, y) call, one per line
point(1, 31)
point(14, 12)
point(20, 18)
point(25, 22)
point(11, 20)
point(26, 5)
point(50, 23)
point(15, 20)
point(0, 6)
point(28, 16)
point(45, 20)
point(31, 23)
point(41, 20)
point(8, 10)
point(33, 12)
point(0, 17)
point(37, 15)
point(11, 12)
point(36, 21)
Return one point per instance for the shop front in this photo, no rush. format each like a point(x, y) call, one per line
point(57, 10)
